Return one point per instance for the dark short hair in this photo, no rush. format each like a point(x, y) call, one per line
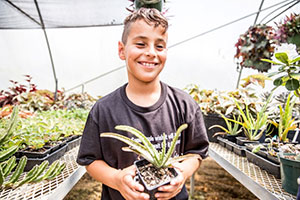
point(150, 15)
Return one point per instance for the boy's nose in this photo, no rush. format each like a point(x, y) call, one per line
point(150, 51)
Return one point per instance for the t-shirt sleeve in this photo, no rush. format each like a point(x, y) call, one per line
point(90, 147)
point(195, 137)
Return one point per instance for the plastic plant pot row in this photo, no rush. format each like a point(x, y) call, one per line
point(50, 153)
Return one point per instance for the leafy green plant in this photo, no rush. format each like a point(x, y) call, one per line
point(254, 45)
point(215, 102)
point(49, 127)
point(147, 150)
point(6, 135)
point(286, 120)
point(287, 57)
point(254, 126)
point(233, 128)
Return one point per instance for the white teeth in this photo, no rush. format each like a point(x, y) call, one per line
point(148, 64)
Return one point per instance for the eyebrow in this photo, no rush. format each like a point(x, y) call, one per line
point(143, 38)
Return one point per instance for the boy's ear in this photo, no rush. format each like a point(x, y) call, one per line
point(121, 48)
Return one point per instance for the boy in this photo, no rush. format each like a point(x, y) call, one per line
point(146, 104)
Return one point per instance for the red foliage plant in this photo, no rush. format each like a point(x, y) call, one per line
point(7, 97)
point(256, 43)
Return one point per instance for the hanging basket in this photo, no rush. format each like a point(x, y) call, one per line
point(294, 40)
point(158, 4)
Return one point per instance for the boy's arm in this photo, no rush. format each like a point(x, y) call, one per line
point(186, 169)
point(121, 180)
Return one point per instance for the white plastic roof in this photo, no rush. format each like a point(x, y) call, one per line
point(204, 34)
point(17, 14)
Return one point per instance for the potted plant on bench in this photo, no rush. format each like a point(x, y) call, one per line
point(254, 126)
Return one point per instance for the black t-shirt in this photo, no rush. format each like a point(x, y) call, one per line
point(174, 108)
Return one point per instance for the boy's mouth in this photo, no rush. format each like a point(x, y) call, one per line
point(148, 64)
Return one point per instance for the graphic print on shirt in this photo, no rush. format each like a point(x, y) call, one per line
point(158, 140)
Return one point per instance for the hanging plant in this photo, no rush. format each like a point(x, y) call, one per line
point(288, 31)
point(137, 4)
point(255, 44)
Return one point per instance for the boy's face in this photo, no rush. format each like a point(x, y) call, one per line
point(145, 51)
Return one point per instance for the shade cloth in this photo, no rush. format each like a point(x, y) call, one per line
point(23, 14)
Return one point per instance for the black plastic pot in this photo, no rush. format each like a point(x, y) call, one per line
point(210, 120)
point(291, 135)
point(231, 138)
point(243, 140)
point(151, 190)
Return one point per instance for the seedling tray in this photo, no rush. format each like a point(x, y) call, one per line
point(221, 141)
point(73, 143)
point(229, 145)
point(263, 163)
point(33, 154)
point(56, 146)
point(239, 150)
point(273, 159)
point(72, 137)
point(31, 162)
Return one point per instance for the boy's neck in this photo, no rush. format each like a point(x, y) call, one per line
point(145, 95)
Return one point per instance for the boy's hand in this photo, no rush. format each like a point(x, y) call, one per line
point(130, 189)
point(171, 190)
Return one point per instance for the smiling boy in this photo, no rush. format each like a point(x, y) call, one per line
point(147, 104)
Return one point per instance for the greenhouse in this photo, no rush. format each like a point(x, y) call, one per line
point(149, 99)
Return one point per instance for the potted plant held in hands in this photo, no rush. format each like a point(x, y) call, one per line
point(155, 169)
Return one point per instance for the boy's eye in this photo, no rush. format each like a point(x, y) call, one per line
point(160, 47)
point(139, 44)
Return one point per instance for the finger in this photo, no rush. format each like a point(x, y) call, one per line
point(168, 188)
point(128, 179)
point(130, 170)
point(179, 178)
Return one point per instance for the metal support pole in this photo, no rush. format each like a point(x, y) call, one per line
point(192, 186)
point(49, 49)
point(240, 74)
point(82, 88)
